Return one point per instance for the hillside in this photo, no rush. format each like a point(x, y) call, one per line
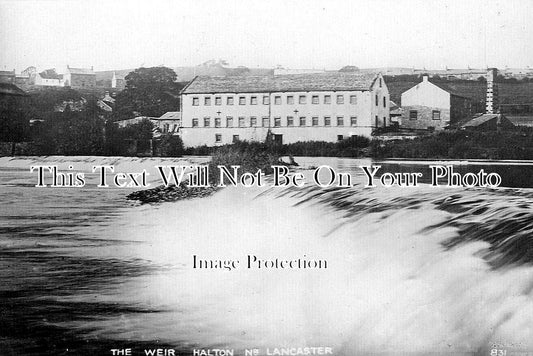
point(187, 73)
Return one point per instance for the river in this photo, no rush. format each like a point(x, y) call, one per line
point(410, 270)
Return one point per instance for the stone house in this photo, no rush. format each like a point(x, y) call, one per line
point(49, 77)
point(433, 106)
point(7, 76)
point(79, 78)
point(118, 82)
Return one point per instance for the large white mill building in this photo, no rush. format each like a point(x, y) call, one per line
point(305, 107)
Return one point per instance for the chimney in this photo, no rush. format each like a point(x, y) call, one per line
point(492, 91)
point(92, 68)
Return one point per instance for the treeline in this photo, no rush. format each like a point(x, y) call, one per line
point(87, 133)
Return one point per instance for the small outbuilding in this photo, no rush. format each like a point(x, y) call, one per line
point(487, 122)
point(168, 123)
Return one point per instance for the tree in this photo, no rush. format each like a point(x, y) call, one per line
point(14, 125)
point(72, 133)
point(349, 69)
point(119, 140)
point(148, 92)
point(45, 102)
point(170, 146)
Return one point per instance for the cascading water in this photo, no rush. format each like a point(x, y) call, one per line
point(444, 271)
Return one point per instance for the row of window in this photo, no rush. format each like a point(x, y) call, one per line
point(289, 99)
point(413, 115)
point(218, 138)
point(289, 121)
point(235, 138)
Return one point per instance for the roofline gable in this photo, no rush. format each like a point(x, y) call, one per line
point(423, 83)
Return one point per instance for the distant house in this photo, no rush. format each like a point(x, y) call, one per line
point(22, 79)
point(7, 76)
point(118, 82)
point(107, 103)
point(518, 73)
point(433, 106)
point(487, 122)
point(50, 78)
point(27, 76)
point(71, 105)
point(135, 120)
point(79, 78)
point(170, 122)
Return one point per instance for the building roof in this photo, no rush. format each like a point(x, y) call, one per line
point(450, 89)
point(7, 72)
point(484, 118)
point(521, 120)
point(334, 81)
point(11, 89)
point(50, 74)
point(478, 120)
point(171, 115)
point(394, 108)
point(87, 71)
point(105, 105)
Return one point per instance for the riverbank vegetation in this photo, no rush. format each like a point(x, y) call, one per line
point(515, 144)
point(250, 156)
point(355, 146)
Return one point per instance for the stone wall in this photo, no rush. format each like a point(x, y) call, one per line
point(424, 120)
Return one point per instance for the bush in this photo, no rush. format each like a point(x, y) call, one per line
point(251, 156)
point(169, 146)
point(354, 146)
point(130, 140)
point(70, 133)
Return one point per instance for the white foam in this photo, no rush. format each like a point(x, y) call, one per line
point(389, 287)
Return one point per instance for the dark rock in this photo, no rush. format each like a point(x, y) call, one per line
point(170, 193)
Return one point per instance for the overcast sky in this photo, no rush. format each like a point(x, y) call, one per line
point(294, 34)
